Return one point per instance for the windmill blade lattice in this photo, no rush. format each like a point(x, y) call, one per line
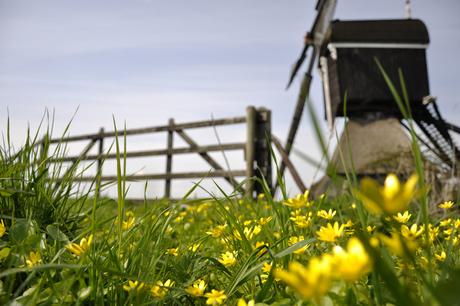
point(434, 127)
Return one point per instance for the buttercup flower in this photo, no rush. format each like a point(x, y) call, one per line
point(327, 215)
point(299, 201)
point(217, 231)
point(194, 247)
point(34, 259)
point(2, 228)
point(80, 249)
point(441, 257)
point(173, 251)
point(294, 240)
point(259, 244)
point(397, 245)
point(129, 224)
point(228, 259)
point(135, 286)
point(312, 281)
point(215, 296)
point(402, 218)
point(353, 263)
point(412, 233)
point(445, 222)
point(447, 205)
point(197, 289)
point(160, 289)
point(264, 221)
point(248, 233)
point(242, 302)
point(330, 233)
point(391, 198)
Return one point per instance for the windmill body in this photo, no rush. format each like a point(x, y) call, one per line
point(347, 52)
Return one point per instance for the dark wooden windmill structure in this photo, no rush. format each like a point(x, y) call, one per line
point(346, 60)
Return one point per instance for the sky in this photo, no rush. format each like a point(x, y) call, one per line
point(142, 62)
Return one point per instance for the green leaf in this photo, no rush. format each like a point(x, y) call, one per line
point(20, 230)
point(33, 240)
point(4, 253)
point(57, 234)
point(10, 191)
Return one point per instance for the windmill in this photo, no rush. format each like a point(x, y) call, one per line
point(346, 52)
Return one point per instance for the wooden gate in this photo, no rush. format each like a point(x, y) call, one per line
point(256, 147)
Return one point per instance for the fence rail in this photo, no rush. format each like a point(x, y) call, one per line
point(256, 147)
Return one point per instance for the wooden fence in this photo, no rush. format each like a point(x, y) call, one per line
point(256, 147)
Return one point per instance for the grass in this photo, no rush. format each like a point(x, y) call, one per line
point(62, 245)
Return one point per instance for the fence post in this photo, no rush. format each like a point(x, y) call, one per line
point(101, 149)
point(250, 149)
point(169, 159)
point(44, 148)
point(263, 155)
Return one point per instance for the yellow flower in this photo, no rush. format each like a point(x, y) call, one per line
point(294, 240)
point(2, 228)
point(303, 222)
point(242, 302)
point(160, 289)
point(404, 266)
point(197, 289)
point(217, 231)
point(80, 249)
point(447, 205)
point(299, 201)
point(445, 222)
point(215, 296)
point(248, 233)
point(353, 263)
point(129, 214)
point(194, 247)
point(259, 244)
point(402, 218)
point(412, 233)
point(330, 233)
point(327, 215)
point(228, 259)
point(391, 198)
point(34, 259)
point(424, 263)
point(127, 225)
point(432, 231)
point(264, 221)
point(260, 196)
point(371, 228)
point(173, 251)
point(267, 268)
point(312, 281)
point(135, 286)
point(396, 245)
point(441, 257)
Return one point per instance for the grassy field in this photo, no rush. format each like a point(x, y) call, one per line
point(62, 245)
point(369, 246)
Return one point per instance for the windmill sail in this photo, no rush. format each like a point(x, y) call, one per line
point(434, 127)
point(316, 36)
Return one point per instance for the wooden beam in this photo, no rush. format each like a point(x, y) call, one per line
point(205, 155)
point(251, 121)
point(198, 149)
point(169, 161)
point(288, 164)
point(216, 173)
point(164, 128)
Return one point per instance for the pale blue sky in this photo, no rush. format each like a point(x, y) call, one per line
point(147, 61)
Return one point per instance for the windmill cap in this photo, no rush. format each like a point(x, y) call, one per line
point(399, 31)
